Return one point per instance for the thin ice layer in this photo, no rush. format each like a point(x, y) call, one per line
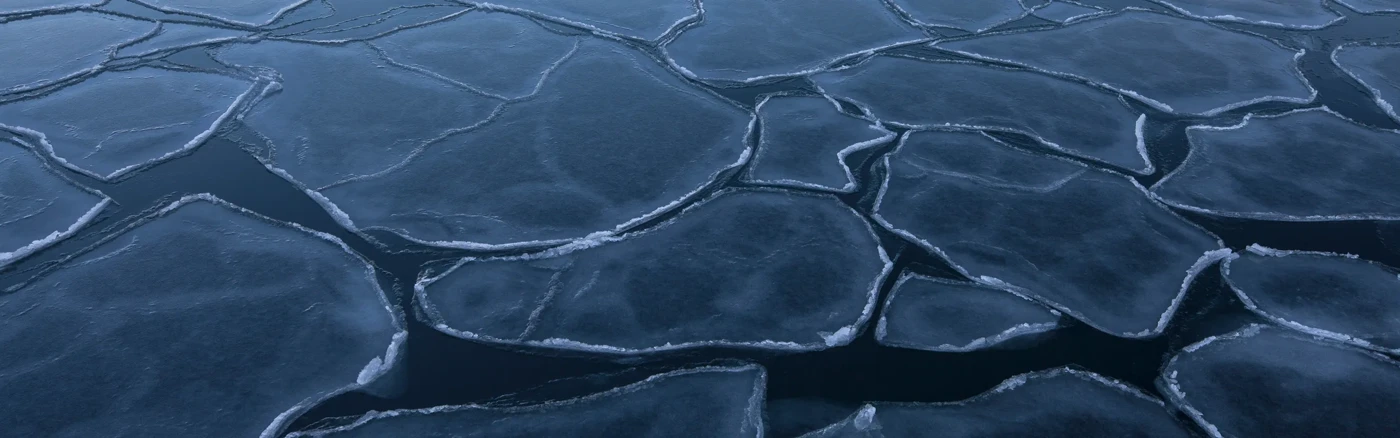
point(1371, 6)
point(201, 321)
point(643, 19)
point(698, 402)
point(804, 141)
point(1061, 114)
point(970, 16)
point(1263, 381)
point(1377, 68)
point(1086, 242)
point(45, 49)
point(757, 268)
point(1176, 64)
point(1061, 402)
point(13, 7)
point(37, 207)
point(1306, 165)
point(341, 21)
point(174, 36)
point(1294, 14)
point(118, 121)
point(1063, 12)
point(241, 12)
point(932, 314)
point(742, 40)
point(1329, 295)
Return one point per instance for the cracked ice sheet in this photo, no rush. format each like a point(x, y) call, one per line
point(970, 16)
point(250, 13)
point(933, 314)
point(38, 207)
point(1064, 12)
point(1306, 165)
point(1371, 6)
point(44, 49)
point(641, 19)
point(755, 268)
point(1183, 66)
point(804, 140)
point(202, 320)
point(741, 40)
point(1061, 114)
point(174, 36)
point(697, 402)
point(1329, 295)
point(1061, 402)
point(1292, 14)
point(14, 7)
point(119, 121)
point(1089, 243)
point(341, 21)
point(1236, 385)
point(1375, 67)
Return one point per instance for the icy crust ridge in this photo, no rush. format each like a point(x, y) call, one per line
point(1225, 11)
point(882, 327)
point(1377, 94)
point(765, 147)
point(612, 31)
point(10, 255)
point(266, 11)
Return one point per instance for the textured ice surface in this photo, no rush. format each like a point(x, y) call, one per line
point(745, 40)
point(241, 12)
point(939, 315)
point(757, 268)
point(1372, 6)
point(1064, 115)
point(341, 21)
point(1296, 14)
point(699, 402)
point(27, 6)
point(971, 16)
point(1173, 63)
point(204, 321)
point(117, 121)
point(1089, 243)
point(644, 19)
point(1263, 381)
point(1377, 68)
point(45, 49)
point(176, 35)
point(37, 207)
point(1305, 165)
point(1061, 402)
point(804, 141)
point(1062, 12)
point(1329, 295)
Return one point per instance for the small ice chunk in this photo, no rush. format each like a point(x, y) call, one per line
point(804, 141)
point(1065, 12)
point(1292, 14)
point(241, 12)
point(1262, 381)
point(1306, 165)
point(745, 41)
point(970, 16)
point(641, 19)
point(1176, 64)
point(175, 36)
point(1089, 243)
point(15, 7)
point(44, 49)
point(697, 402)
point(1371, 6)
point(202, 320)
point(932, 314)
point(1377, 67)
point(750, 268)
point(38, 207)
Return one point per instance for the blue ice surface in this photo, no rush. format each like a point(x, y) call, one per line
point(804, 142)
point(43, 49)
point(968, 16)
point(1376, 67)
point(1289, 14)
point(38, 207)
point(926, 313)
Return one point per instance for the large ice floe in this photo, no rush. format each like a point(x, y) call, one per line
point(750, 268)
point(1293, 14)
point(1172, 63)
point(1305, 165)
point(242, 13)
point(1061, 402)
point(44, 49)
point(1371, 6)
point(698, 402)
point(968, 16)
point(640, 19)
point(202, 320)
point(38, 207)
point(804, 141)
point(1377, 67)
point(927, 313)
point(1089, 243)
point(1263, 381)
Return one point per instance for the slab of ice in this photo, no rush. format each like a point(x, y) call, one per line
point(642, 19)
point(38, 207)
point(741, 40)
point(752, 268)
point(1064, 12)
point(1263, 381)
point(1371, 6)
point(119, 121)
point(242, 12)
point(1293, 14)
point(174, 36)
point(1307, 165)
point(45, 49)
point(13, 7)
point(1061, 114)
point(342, 21)
point(1377, 67)
point(804, 141)
point(698, 402)
point(201, 321)
point(1176, 64)
point(970, 16)
point(932, 314)
point(1088, 243)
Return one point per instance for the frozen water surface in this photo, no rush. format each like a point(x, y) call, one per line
point(1372, 6)
point(970, 16)
point(341, 21)
point(174, 36)
point(1263, 381)
point(1086, 242)
point(44, 49)
point(29, 6)
point(762, 269)
point(241, 12)
point(1176, 64)
point(804, 141)
point(202, 321)
point(1377, 68)
point(1064, 115)
point(641, 19)
point(37, 207)
point(699, 402)
point(932, 314)
point(1306, 165)
point(1296, 14)
point(1064, 11)
point(1329, 295)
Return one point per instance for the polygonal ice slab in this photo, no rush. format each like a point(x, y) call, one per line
point(1371, 6)
point(745, 41)
point(1175, 64)
point(13, 7)
point(926, 313)
point(1264, 381)
point(641, 19)
point(1306, 165)
point(119, 121)
point(698, 402)
point(1062, 115)
point(1064, 12)
point(38, 207)
point(242, 12)
point(754, 268)
point(1088, 243)
point(804, 141)
point(1377, 68)
point(44, 49)
point(1061, 402)
point(1292, 14)
point(201, 321)
point(1334, 296)
point(970, 16)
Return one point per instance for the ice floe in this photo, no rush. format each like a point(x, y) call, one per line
point(249, 13)
point(1064, 12)
point(1293, 14)
point(804, 141)
point(970, 16)
point(640, 19)
point(45, 49)
point(15, 7)
point(932, 314)
point(37, 206)
point(1377, 67)
point(175, 36)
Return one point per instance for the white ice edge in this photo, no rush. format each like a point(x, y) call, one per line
point(111, 51)
point(1358, 9)
point(592, 29)
point(1015, 331)
point(1373, 91)
point(1236, 19)
point(1097, 11)
point(1014, 382)
point(47, 10)
point(277, 15)
point(304, 37)
point(885, 136)
point(824, 66)
point(906, 16)
point(8, 257)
